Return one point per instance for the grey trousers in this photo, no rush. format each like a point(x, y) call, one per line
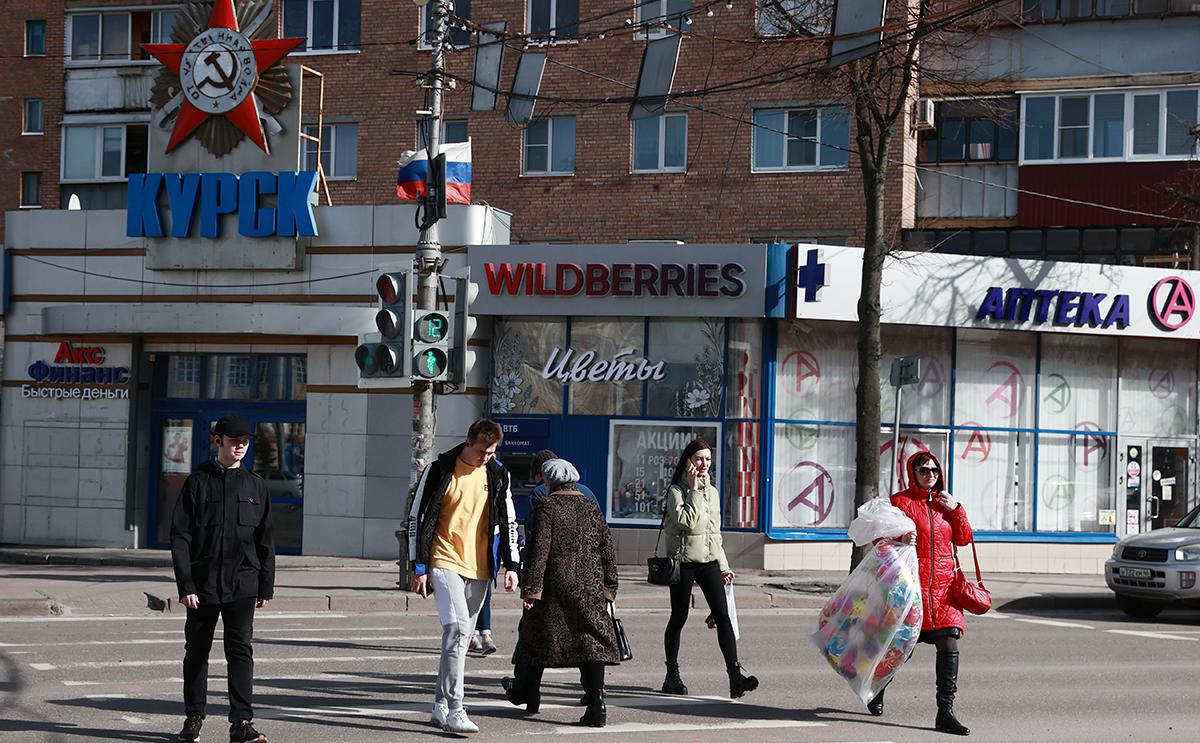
point(458, 602)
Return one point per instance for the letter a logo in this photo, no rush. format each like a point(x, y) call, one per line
point(1172, 303)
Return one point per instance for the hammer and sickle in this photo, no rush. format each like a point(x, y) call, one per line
point(227, 77)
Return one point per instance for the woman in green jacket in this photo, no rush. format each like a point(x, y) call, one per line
point(692, 522)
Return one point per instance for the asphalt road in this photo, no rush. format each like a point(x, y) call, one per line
point(1091, 677)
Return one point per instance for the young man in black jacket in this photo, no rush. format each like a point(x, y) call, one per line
point(462, 500)
point(224, 558)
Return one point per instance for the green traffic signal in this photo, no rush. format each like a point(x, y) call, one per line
point(431, 327)
point(430, 363)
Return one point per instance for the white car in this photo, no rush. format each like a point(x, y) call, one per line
point(1149, 571)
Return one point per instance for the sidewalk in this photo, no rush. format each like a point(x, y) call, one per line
point(37, 581)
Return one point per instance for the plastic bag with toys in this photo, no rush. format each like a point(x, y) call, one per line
point(869, 627)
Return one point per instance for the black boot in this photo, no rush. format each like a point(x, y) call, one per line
point(597, 711)
point(672, 684)
point(525, 689)
point(739, 683)
point(875, 706)
point(947, 686)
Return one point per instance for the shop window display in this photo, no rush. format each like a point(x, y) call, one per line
point(816, 371)
point(743, 464)
point(813, 483)
point(1078, 387)
point(693, 357)
point(1075, 488)
point(926, 403)
point(995, 379)
point(992, 478)
point(745, 369)
point(1158, 387)
point(521, 349)
point(606, 338)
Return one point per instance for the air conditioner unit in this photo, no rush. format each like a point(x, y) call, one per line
point(924, 113)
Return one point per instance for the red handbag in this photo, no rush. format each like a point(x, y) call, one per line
point(968, 596)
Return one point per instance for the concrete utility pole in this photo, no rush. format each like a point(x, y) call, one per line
point(428, 263)
point(429, 249)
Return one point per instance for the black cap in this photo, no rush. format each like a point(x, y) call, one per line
point(232, 426)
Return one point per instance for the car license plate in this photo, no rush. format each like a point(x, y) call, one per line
point(1133, 572)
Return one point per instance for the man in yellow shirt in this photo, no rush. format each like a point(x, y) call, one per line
point(463, 502)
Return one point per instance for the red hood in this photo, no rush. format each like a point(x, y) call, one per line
point(913, 490)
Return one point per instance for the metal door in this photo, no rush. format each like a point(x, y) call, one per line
point(1169, 484)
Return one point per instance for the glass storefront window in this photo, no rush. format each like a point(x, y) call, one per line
point(522, 348)
point(816, 371)
point(928, 402)
point(743, 464)
point(1075, 475)
point(1078, 388)
point(177, 457)
point(995, 379)
point(745, 369)
point(642, 459)
point(813, 476)
point(605, 338)
point(279, 459)
point(911, 442)
point(693, 357)
point(183, 376)
point(234, 377)
point(992, 478)
point(1158, 387)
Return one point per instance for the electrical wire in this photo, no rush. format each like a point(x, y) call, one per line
point(187, 285)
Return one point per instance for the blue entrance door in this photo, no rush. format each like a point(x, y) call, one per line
point(181, 439)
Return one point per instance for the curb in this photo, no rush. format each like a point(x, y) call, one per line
point(30, 608)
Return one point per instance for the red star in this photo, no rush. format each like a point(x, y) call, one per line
point(245, 115)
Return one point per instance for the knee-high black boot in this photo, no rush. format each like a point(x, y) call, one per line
point(947, 686)
point(875, 706)
point(525, 688)
point(597, 711)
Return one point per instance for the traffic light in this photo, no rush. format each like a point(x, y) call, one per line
point(462, 359)
point(431, 338)
point(389, 357)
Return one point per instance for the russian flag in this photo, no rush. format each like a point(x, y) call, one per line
point(414, 171)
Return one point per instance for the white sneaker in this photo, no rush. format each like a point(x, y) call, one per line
point(457, 722)
point(476, 645)
point(440, 713)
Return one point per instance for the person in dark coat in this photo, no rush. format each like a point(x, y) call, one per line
point(223, 552)
point(941, 524)
point(569, 582)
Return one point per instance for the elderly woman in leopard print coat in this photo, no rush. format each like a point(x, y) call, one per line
point(570, 578)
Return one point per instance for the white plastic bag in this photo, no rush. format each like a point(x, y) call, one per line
point(869, 627)
point(879, 519)
point(732, 608)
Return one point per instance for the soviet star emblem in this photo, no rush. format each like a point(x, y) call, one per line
point(219, 82)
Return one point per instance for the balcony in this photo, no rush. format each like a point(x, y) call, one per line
point(125, 87)
point(980, 191)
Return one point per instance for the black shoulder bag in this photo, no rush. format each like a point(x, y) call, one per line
point(662, 571)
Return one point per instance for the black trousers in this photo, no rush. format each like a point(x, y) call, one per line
point(238, 624)
point(708, 576)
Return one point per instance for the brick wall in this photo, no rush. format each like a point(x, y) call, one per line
point(29, 77)
point(718, 199)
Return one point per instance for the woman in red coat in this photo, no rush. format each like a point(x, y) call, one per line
point(941, 523)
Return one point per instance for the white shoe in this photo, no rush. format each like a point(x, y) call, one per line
point(440, 713)
point(457, 722)
point(476, 645)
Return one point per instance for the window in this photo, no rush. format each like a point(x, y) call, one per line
point(794, 17)
point(325, 25)
point(555, 18)
point(458, 37)
point(982, 130)
point(96, 36)
point(161, 25)
point(103, 153)
point(31, 189)
point(801, 139)
point(550, 146)
point(1157, 124)
point(453, 131)
point(33, 123)
point(673, 13)
point(35, 38)
point(339, 150)
point(660, 144)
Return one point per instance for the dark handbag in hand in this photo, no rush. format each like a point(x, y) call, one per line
point(968, 596)
point(662, 571)
point(622, 641)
